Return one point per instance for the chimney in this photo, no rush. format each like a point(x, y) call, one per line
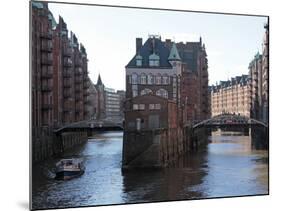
point(138, 44)
point(168, 43)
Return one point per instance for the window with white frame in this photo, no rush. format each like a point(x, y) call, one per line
point(150, 79)
point(165, 79)
point(145, 91)
point(162, 93)
point(135, 90)
point(134, 78)
point(151, 106)
point(157, 106)
point(135, 107)
point(154, 60)
point(135, 93)
point(154, 63)
point(158, 79)
point(143, 79)
point(139, 62)
point(141, 106)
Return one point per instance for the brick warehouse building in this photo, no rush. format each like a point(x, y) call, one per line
point(60, 82)
point(195, 80)
point(246, 94)
point(232, 96)
point(259, 73)
point(155, 70)
point(166, 84)
point(175, 71)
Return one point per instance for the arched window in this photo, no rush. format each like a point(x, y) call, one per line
point(150, 79)
point(145, 91)
point(158, 79)
point(162, 93)
point(134, 78)
point(143, 79)
point(165, 79)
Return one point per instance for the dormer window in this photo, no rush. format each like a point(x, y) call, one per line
point(138, 60)
point(154, 60)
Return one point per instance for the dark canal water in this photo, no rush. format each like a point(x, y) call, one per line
point(227, 167)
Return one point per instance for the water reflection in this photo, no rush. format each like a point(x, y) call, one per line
point(228, 166)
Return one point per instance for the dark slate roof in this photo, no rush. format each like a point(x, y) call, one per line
point(147, 49)
point(242, 80)
point(99, 82)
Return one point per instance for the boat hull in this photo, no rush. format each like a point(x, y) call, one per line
point(66, 175)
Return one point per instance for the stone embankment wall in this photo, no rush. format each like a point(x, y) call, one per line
point(259, 137)
point(46, 144)
point(161, 147)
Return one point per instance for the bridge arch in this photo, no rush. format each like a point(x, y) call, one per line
point(229, 120)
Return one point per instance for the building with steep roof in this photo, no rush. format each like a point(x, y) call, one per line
point(175, 71)
point(165, 87)
point(109, 102)
point(101, 98)
point(155, 70)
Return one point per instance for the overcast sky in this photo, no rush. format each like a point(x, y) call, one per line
point(109, 34)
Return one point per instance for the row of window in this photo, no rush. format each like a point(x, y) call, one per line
point(141, 107)
point(161, 92)
point(154, 60)
point(149, 79)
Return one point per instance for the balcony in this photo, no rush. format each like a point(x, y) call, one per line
point(46, 88)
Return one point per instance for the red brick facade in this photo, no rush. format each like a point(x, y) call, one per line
point(60, 82)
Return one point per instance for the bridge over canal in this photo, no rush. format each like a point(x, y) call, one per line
point(230, 120)
point(92, 125)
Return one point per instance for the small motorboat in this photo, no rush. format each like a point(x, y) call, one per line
point(69, 168)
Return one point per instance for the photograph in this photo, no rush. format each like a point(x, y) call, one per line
point(134, 105)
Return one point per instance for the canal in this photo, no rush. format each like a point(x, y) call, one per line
point(228, 166)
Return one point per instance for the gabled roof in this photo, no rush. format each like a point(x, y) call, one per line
point(152, 45)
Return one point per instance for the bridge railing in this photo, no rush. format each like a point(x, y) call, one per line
point(230, 120)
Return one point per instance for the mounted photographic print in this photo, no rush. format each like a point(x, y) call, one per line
point(135, 105)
